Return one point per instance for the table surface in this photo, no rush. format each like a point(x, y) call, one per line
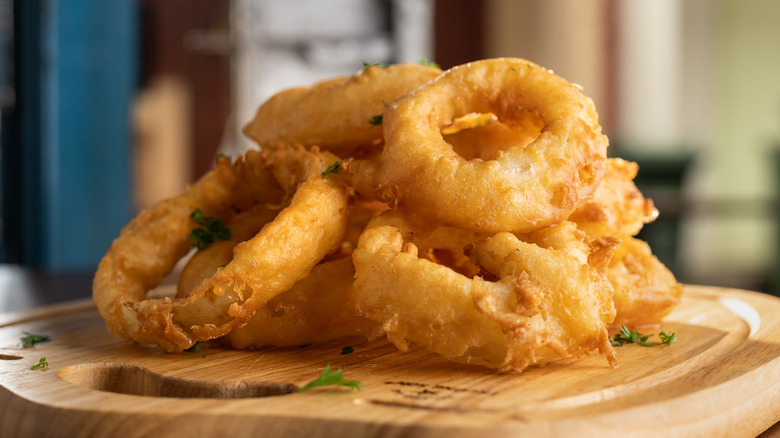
point(24, 288)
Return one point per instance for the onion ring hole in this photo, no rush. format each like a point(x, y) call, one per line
point(481, 136)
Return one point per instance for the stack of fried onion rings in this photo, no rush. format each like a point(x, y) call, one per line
point(472, 212)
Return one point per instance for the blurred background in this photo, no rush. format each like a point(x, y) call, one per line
point(110, 106)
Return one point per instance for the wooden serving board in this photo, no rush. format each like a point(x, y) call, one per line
point(721, 378)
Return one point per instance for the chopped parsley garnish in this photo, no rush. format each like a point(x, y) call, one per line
point(220, 156)
point(376, 120)
point(626, 336)
point(366, 65)
point(429, 63)
point(41, 364)
point(333, 168)
point(347, 350)
point(30, 339)
point(212, 228)
point(667, 338)
point(194, 349)
point(330, 378)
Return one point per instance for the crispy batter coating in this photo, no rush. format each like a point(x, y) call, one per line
point(205, 262)
point(617, 207)
point(532, 306)
point(318, 308)
point(571, 243)
point(335, 114)
point(645, 290)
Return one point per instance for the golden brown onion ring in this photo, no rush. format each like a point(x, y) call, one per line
point(335, 114)
point(262, 267)
point(571, 243)
point(205, 262)
point(645, 289)
point(525, 187)
point(318, 308)
point(540, 307)
point(617, 207)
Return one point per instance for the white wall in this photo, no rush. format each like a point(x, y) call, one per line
point(704, 74)
point(738, 172)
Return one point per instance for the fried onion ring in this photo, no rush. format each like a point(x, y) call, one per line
point(617, 207)
point(526, 187)
point(574, 244)
point(335, 114)
point(540, 307)
point(645, 289)
point(284, 251)
point(318, 308)
point(205, 262)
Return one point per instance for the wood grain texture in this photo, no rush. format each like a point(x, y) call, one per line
point(720, 379)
